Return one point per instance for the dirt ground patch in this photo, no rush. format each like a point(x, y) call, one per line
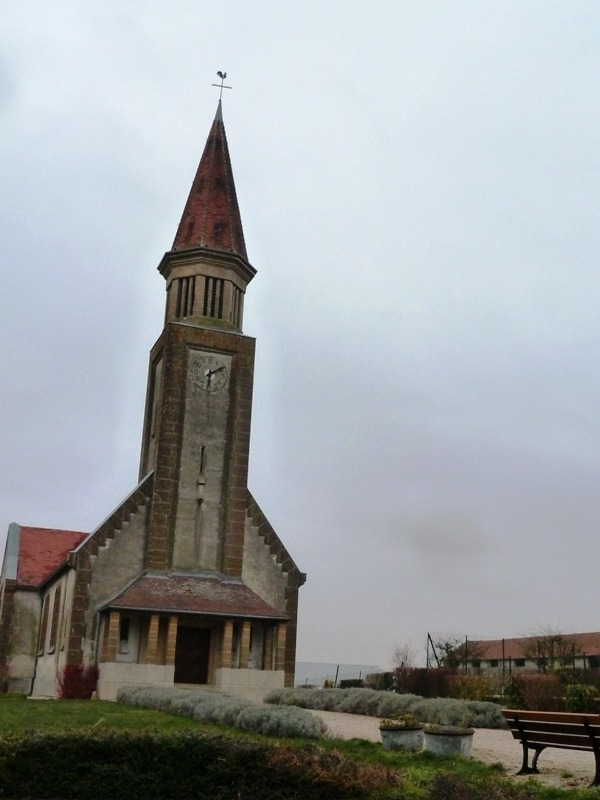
point(557, 767)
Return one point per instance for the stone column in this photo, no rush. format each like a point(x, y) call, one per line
point(268, 651)
point(280, 657)
point(245, 644)
point(227, 646)
point(171, 641)
point(152, 649)
point(112, 637)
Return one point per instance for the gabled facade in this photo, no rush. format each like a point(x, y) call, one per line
point(186, 582)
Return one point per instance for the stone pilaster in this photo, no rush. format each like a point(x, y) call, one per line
point(152, 649)
point(227, 645)
point(171, 640)
point(245, 644)
point(281, 638)
point(112, 637)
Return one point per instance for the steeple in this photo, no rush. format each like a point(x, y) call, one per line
point(207, 269)
point(211, 217)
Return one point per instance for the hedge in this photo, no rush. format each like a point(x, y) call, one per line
point(146, 765)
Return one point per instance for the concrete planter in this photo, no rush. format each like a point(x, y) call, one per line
point(408, 740)
point(449, 741)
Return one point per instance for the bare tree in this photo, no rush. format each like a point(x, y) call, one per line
point(404, 656)
point(549, 648)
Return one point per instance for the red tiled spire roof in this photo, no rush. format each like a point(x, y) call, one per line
point(42, 551)
point(211, 217)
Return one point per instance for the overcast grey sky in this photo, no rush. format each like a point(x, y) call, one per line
point(419, 187)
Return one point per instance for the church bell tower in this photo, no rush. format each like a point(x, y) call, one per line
point(199, 399)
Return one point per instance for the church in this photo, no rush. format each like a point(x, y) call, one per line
point(186, 582)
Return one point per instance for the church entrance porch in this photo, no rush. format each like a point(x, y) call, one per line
point(244, 657)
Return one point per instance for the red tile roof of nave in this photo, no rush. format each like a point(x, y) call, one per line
point(194, 594)
point(42, 551)
point(211, 217)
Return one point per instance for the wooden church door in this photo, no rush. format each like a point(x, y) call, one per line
point(192, 652)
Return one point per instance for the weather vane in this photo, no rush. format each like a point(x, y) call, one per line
point(221, 85)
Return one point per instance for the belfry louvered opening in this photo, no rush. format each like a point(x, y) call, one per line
point(185, 296)
point(213, 297)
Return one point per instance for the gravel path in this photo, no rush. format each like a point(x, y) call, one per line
point(557, 767)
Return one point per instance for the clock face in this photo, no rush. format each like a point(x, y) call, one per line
point(209, 373)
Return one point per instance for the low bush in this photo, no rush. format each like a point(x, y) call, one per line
point(512, 695)
point(382, 681)
point(181, 765)
point(439, 710)
point(534, 691)
point(422, 681)
point(210, 707)
point(470, 687)
point(579, 697)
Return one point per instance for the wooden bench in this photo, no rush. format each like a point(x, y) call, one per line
point(537, 730)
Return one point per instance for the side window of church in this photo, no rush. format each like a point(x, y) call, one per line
point(55, 618)
point(124, 635)
point(43, 627)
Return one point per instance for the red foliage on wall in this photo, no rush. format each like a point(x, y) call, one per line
point(76, 682)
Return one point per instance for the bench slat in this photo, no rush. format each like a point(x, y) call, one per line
point(550, 716)
point(580, 742)
point(542, 727)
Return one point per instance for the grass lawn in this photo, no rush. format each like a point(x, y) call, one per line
point(425, 777)
point(19, 715)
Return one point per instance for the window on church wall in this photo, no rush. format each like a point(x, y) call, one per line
point(43, 627)
point(186, 288)
point(56, 609)
point(124, 631)
point(213, 298)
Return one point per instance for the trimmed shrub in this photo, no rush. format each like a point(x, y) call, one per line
point(139, 765)
point(213, 708)
point(77, 682)
point(288, 722)
point(440, 710)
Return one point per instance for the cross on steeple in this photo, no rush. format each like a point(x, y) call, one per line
point(221, 85)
